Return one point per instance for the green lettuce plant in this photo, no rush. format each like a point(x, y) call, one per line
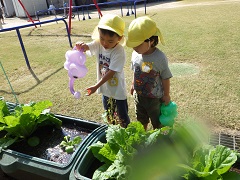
point(122, 145)
point(199, 159)
point(69, 145)
point(185, 153)
point(20, 123)
point(210, 163)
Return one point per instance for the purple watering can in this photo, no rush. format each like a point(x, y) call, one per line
point(76, 69)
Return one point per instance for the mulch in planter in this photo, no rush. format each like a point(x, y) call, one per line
point(50, 139)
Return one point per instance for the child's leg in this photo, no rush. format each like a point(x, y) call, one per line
point(2, 19)
point(122, 110)
point(141, 113)
point(109, 105)
point(154, 112)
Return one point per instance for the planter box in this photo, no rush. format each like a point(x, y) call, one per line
point(20, 165)
point(86, 164)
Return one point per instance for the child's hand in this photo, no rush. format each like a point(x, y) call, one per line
point(82, 46)
point(91, 90)
point(166, 99)
point(132, 89)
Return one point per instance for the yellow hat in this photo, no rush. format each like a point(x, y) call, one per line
point(113, 23)
point(140, 29)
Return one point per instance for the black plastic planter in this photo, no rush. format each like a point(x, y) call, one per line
point(86, 164)
point(21, 165)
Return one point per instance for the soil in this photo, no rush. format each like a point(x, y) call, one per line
point(50, 139)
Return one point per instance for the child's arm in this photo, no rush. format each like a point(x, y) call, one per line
point(104, 79)
point(166, 91)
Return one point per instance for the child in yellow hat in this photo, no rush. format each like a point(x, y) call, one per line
point(151, 81)
point(107, 46)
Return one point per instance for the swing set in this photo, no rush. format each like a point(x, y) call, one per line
point(65, 7)
point(25, 10)
point(68, 28)
point(17, 28)
point(68, 7)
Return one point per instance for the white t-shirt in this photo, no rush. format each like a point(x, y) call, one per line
point(113, 59)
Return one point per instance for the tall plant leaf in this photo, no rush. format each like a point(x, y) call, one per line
point(24, 120)
point(3, 110)
point(209, 162)
point(121, 146)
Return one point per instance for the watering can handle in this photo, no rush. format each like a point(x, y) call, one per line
point(163, 104)
point(75, 48)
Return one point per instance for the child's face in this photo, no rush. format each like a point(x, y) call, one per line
point(144, 48)
point(107, 41)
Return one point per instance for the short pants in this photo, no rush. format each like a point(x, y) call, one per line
point(148, 109)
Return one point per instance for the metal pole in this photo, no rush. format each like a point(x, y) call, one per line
point(23, 48)
point(26, 12)
point(96, 5)
point(70, 16)
point(9, 83)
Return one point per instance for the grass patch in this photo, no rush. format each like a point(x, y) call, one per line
point(204, 36)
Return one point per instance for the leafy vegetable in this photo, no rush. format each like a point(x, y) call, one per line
point(33, 141)
point(210, 163)
point(121, 147)
point(199, 160)
point(69, 145)
point(24, 120)
point(133, 153)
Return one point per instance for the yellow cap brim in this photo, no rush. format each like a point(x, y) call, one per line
point(132, 44)
point(95, 36)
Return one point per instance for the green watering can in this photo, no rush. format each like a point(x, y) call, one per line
point(168, 114)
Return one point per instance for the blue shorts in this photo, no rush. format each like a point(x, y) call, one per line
point(119, 106)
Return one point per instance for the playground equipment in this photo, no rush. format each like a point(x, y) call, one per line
point(17, 28)
point(65, 7)
point(131, 7)
point(30, 18)
point(70, 13)
point(28, 8)
point(9, 83)
point(68, 7)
